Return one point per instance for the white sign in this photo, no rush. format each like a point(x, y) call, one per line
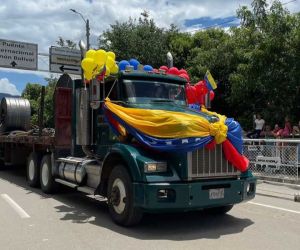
point(65, 60)
point(62, 68)
point(271, 164)
point(18, 55)
point(64, 51)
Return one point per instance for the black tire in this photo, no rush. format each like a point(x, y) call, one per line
point(33, 169)
point(48, 184)
point(219, 210)
point(122, 211)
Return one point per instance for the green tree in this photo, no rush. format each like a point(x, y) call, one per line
point(180, 44)
point(268, 70)
point(66, 43)
point(212, 50)
point(32, 92)
point(140, 39)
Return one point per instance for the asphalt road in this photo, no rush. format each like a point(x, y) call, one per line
point(30, 219)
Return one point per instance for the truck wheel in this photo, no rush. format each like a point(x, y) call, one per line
point(121, 199)
point(219, 210)
point(48, 184)
point(33, 169)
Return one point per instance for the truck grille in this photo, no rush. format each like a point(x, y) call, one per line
point(204, 163)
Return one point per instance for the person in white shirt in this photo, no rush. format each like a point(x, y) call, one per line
point(259, 126)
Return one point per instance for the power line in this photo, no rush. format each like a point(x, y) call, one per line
point(289, 2)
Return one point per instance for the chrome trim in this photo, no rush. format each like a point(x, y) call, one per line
point(204, 163)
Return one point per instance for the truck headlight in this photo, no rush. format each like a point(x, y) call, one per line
point(152, 167)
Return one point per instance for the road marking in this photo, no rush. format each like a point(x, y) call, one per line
point(20, 211)
point(278, 208)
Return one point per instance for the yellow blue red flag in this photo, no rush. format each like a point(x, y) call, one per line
point(209, 80)
point(171, 131)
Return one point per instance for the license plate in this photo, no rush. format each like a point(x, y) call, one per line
point(216, 193)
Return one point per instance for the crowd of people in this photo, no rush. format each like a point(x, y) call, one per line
point(266, 131)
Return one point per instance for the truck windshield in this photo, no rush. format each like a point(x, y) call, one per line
point(139, 91)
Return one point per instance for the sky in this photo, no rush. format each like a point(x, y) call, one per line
point(43, 21)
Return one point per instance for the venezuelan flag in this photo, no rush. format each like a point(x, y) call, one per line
point(209, 80)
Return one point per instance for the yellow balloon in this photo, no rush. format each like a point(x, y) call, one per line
point(110, 62)
point(90, 53)
point(100, 57)
point(107, 72)
point(88, 75)
point(87, 63)
point(111, 54)
point(114, 69)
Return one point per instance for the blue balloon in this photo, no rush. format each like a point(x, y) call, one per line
point(123, 64)
point(148, 68)
point(135, 63)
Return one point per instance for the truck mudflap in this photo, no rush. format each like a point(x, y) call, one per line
point(193, 195)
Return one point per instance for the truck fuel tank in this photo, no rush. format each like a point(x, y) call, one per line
point(74, 169)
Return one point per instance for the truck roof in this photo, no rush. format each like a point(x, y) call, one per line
point(152, 76)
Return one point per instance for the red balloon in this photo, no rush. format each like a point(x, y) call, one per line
point(191, 94)
point(211, 95)
point(183, 71)
point(165, 68)
point(201, 88)
point(173, 71)
point(202, 100)
point(185, 76)
point(155, 71)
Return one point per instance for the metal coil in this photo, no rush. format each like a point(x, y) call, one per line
point(14, 114)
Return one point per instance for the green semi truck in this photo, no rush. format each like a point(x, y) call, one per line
point(86, 155)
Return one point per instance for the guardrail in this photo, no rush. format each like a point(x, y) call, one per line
point(276, 159)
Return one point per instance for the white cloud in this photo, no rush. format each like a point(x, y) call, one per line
point(43, 21)
point(8, 87)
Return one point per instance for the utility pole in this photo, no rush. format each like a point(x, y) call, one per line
point(87, 28)
point(87, 34)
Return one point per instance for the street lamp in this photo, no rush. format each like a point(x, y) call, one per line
point(87, 28)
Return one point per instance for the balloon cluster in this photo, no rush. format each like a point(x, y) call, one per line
point(135, 64)
point(196, 93)
point(175, 71)
point(99, 61)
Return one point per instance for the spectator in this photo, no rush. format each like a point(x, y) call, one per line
point(276, 130)
point(267, 132)
point(259, 126)
point(287, 130)
point(296, 130)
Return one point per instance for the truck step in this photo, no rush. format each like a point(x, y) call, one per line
point(66, 183)
point(87, 190)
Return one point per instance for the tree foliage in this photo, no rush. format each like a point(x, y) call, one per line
point(32, 92)
point(268, 70)
point(66, 43)
point(140, 39)
point(256, 64)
